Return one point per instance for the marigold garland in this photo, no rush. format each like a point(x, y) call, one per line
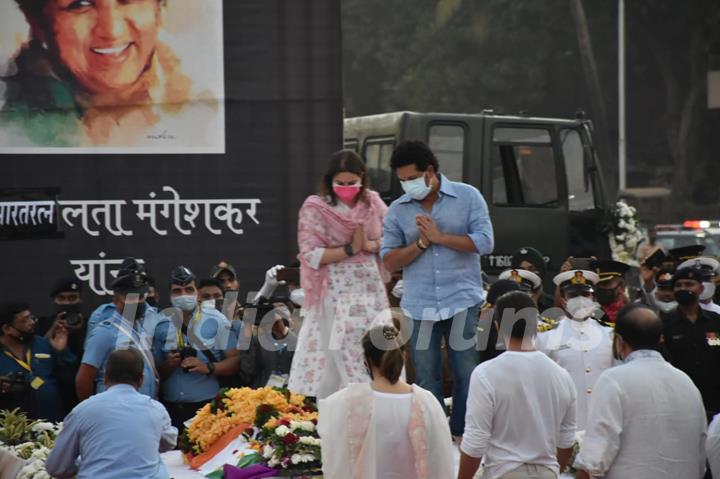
point(233, 407)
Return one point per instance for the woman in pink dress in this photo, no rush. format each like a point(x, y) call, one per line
point(339, 235)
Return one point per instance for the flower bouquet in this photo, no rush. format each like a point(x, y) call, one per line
point(290, 443)
point(626, 234)
point(29, 441)
point(246, 427)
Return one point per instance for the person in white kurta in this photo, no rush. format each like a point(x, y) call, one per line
point(386, 429)
point(712, 446)
point(581, 345)
point(647, 419)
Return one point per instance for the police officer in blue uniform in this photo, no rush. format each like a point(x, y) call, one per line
point(31, 363)
point(122, 330)
point(198, 347)
point(151, 316)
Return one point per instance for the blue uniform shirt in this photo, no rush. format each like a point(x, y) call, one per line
point(214, 333)
point(101, 313)
point(105, 311)
point(118, 333)
point(46, 399)
point(118, 434)
point(441, 281)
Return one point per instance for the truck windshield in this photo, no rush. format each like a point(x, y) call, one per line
point(580, 191)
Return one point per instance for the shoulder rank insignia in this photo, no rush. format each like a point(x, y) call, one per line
point(546, 324)
point(604, 322)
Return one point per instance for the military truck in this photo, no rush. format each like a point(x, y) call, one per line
point(541, 177)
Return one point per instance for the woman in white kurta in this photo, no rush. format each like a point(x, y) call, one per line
point(339, 234)
point(386, 429)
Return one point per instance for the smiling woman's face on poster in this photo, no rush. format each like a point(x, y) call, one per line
point(105, 75)
point(104, 44)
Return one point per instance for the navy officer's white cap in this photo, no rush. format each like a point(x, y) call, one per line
point(522, 277)
point(703, 262)
point(576, 277)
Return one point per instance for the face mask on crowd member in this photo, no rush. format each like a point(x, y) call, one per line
point(346, 186)
point(611, 287)
point(131, 305)
point(417, 169)
point(183, 290)
point(130, 292)
point(708, 292)
point(18, 323)
point(210, 294)
point(345, 180)
point(687, 284)
point(577, 288)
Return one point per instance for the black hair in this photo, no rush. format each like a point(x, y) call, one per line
point(637, 330)
point(518, 307)
point(125, 366)
point(9, 310)
point(384, 352)
point(499, 288)
point(210, 282)
point(414, 152)
point(344, 161)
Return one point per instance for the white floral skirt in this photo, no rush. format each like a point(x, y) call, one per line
point(329, 353)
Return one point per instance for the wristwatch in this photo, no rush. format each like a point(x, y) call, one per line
point(421, 245)
point(211, 369)
point(348, 250)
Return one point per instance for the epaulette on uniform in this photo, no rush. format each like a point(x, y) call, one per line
point(546, 324)
point(602, 322)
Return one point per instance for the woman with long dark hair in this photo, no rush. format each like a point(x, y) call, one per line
point(339, 234)
point(387, 429)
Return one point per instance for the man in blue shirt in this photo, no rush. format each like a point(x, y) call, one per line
point(435, 233)
point(151, 316)
point(32, 363)
point(198, 346)
point(117, 434)
point(122, 330)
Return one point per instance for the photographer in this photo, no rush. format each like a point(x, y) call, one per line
point(30, 363)
point(67, 312)
point(274, 343)
point(198, 347)
point(67, 306)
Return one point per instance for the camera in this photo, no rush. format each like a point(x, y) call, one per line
point(187, 352)
point(261, 309)
point(73, 319)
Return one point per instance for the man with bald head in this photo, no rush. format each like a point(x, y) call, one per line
point(646, 418)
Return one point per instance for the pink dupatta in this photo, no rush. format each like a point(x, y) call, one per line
point(320, 225)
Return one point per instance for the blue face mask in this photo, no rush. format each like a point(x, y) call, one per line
point(184, 303)
point(418, 189)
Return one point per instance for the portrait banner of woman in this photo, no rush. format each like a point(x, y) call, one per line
point(111, 76)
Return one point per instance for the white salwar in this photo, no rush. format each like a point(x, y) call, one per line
point(348, 430)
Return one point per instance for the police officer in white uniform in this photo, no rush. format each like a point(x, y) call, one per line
point(579, 343)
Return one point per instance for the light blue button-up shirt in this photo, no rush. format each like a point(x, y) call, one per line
point(441, 281)
point(105, 311)
point(213, 330)
point(118, 434)
point(118, 333)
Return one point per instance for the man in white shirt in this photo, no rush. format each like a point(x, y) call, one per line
point(580, 343)
point(713, 446)
point(521, 408)
point(647, 419)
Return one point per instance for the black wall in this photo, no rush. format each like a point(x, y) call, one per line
point(283, 120)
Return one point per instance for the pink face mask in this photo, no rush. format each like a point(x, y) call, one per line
point(346, 193)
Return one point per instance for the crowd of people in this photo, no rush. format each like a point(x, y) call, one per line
point(534, 360)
